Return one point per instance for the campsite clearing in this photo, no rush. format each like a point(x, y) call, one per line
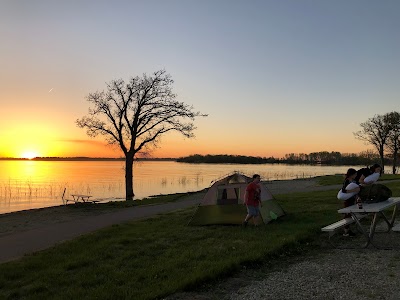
point(160, 250)
point(223, 204)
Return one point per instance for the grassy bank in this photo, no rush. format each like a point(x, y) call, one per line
point(155, 257)
point(338, 179)
point(35, 218)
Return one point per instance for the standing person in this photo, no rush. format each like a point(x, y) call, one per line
point(252, 199)
point(369, 175)
point(353, 189)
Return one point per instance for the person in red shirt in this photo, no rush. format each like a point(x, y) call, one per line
point(252, 200)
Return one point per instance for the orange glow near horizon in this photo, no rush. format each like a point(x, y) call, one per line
point(167, 149)
point(45, 140)
point(45, 131)
point(29, 154)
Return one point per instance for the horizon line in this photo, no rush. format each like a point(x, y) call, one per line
point(82, 158)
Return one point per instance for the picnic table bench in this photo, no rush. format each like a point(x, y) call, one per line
point(375, 210)
point(332, 228)
point(396, 227)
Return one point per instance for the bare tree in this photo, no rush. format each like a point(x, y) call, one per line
point(393, 142)
point(134, 116)
point(375, 131)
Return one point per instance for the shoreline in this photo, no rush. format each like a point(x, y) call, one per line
point(29, 219)
point(41, 217)
point(274, 186)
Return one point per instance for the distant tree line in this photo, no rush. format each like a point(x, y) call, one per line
point(314, 158)
point(331, 158)
point(225, 159)
point(380, 131)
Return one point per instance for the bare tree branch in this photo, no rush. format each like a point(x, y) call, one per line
point(375, 131)
point(136, 114)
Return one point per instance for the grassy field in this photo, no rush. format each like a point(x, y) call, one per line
point(156, 257)
point(115, 205)
point(338, 179)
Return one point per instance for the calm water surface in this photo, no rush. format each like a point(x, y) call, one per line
point(34, 184)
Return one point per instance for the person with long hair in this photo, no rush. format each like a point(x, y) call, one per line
point(349, 193)
point(366, 176)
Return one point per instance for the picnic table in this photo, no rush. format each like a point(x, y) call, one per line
point(376, 210)
point(80, 198)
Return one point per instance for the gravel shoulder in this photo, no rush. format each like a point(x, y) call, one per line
point(321, 272)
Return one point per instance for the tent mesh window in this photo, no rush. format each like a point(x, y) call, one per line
point(228, 195)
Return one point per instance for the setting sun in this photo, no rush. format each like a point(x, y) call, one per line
point(29, 154)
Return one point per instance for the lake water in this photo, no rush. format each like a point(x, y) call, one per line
point(34, 184)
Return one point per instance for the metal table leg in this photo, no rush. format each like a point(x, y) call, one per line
point(368, 236)
point(391, 222)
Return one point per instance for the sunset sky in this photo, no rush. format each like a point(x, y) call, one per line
point(275, 77)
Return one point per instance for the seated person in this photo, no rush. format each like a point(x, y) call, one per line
point(369, 175)
point(348, 193)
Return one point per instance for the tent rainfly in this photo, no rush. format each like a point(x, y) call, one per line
point(224, 203)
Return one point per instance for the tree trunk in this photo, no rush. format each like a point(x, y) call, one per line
point(129, 177)
point(382, 155)
point(394, 162)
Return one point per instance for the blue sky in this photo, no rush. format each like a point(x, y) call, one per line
point(275, 77)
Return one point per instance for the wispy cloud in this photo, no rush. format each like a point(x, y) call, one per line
point(88, 142)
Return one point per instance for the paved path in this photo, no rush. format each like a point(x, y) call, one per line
point(14, 246)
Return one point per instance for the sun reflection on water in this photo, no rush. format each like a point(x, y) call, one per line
point(28, 184)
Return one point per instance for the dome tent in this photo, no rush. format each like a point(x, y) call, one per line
point(224, 202)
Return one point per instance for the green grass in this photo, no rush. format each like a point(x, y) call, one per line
point(330, 179)
point(338, 179)
point(115, 205)
point(151, 200)
point(155, 257)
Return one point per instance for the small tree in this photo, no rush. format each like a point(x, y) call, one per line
point(375, 131)
point(393, 142)
point(134, 116)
